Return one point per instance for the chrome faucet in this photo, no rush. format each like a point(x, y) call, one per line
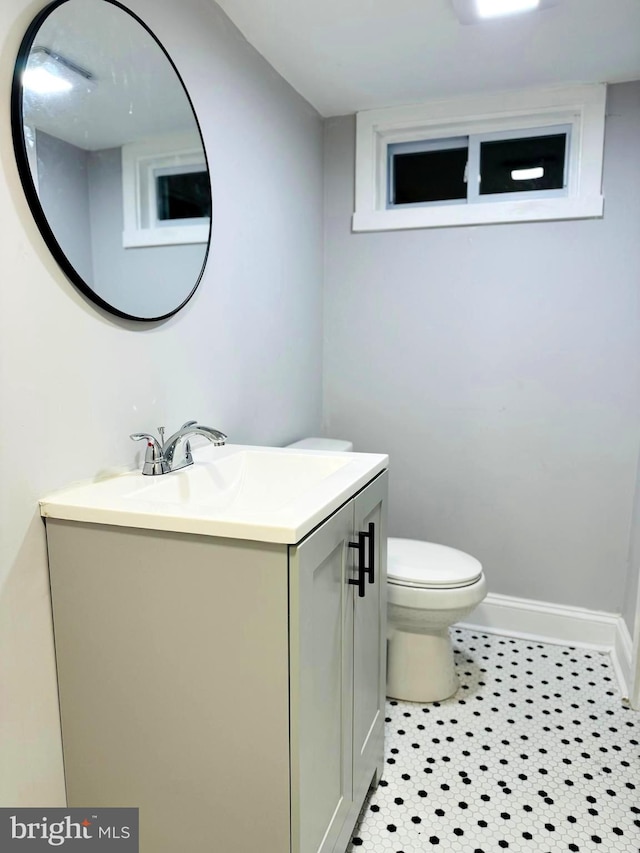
point(162, 457)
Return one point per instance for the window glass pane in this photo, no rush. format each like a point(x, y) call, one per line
point(521, 165)
point(185, 195)
point(425, 176)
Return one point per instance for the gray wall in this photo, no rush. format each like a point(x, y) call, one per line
point(244, 355)
point(63, 189)
point(499, 367)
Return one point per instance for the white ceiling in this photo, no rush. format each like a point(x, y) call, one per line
point(349, 55)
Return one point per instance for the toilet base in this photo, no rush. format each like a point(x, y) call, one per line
point(420, 667)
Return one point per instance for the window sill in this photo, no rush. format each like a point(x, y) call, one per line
point(531, 210)
point(167, 236)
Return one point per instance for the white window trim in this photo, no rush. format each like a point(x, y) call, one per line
point(582, 107)
point(139, 161)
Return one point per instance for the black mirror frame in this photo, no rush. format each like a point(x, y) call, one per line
point(24, 170)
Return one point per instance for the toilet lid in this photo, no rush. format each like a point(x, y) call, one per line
point(411, 562)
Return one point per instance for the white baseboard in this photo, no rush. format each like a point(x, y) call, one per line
point(558, 624)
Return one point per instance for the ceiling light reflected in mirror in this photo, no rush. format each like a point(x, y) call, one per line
point(49, 73)
point(485, 11)
point(43, 82)
point(497, 8)
point(527, 174)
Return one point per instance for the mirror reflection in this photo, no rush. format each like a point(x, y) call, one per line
point(111, 157)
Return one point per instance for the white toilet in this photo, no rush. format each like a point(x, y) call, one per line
point(429, 588)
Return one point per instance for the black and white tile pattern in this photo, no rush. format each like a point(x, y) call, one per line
point(535, 752)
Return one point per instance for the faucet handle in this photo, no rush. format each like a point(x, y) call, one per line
point(154, 461)
point(151, 440)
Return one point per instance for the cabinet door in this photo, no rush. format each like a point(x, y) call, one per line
point(370, 639)
point(321, 625)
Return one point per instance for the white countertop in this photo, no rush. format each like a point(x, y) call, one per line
point(266, 494)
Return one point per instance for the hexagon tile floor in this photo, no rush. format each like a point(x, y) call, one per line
point(535, 752)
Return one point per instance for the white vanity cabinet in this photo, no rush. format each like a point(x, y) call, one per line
point(231, 689)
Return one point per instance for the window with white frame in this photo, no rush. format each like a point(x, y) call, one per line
point(166, 192)
point(519, 156)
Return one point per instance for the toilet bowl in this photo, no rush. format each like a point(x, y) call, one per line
point(429, 588)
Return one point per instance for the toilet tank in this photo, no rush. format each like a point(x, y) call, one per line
point(335, 445)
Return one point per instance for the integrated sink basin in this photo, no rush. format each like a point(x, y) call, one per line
point(244, 492)
point(249, 479)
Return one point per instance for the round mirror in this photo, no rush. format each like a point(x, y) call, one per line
point(111, 158)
